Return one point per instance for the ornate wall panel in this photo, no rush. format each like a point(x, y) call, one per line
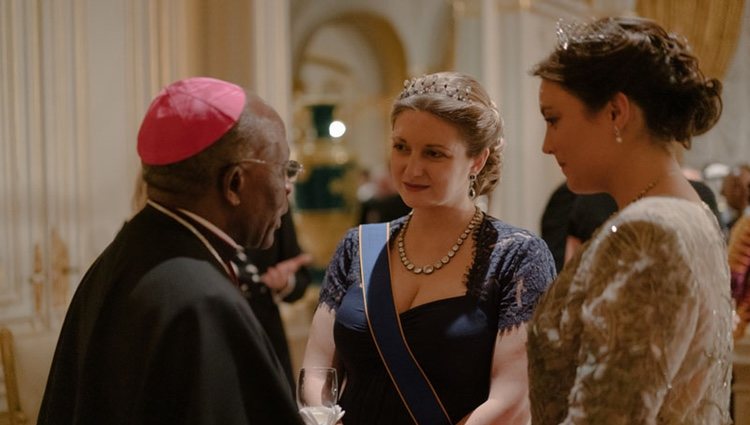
point(41, 44)
point(64, 164)
point(514, 36)
point(75, 79)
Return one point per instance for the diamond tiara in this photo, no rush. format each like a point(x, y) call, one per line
point(575, 32)
point(435, 84)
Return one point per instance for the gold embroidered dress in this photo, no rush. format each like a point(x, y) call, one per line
point(637, 327)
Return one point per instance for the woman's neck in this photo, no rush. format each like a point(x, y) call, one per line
point(649, 175)
point(439, 219)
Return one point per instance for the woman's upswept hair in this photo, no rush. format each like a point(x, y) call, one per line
point(637, 57)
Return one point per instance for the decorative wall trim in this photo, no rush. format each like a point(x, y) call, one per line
point(272, 55)
point(45, 143)
point(553, 9)
point(22, 215)
point(516, 35)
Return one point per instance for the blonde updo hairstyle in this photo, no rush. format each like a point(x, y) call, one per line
point(460, 100)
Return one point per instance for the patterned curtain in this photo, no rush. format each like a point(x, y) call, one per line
point(711, 27)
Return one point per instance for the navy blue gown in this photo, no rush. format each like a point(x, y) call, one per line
point(452, 339)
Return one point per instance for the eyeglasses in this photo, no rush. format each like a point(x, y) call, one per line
point(292, 168)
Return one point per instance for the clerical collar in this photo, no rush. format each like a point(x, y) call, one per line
point(215, 231)
point(221, 245)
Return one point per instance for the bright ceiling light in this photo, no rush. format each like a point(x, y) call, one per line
point(336, 129)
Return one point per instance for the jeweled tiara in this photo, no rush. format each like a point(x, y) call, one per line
point(435, 84)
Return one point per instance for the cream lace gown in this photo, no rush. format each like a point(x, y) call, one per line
point(637, 328)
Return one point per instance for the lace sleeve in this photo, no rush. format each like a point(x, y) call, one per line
point(339, 276)
point(638, 319)
point(532, 269)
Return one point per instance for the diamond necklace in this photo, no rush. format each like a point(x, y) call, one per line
point(429, 268)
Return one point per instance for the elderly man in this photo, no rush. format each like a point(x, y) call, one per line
point(158, 332)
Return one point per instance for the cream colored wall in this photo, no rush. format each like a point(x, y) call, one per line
point(729, 141)
point(78, 100)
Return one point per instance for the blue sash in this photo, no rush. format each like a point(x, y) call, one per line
point(415, 390)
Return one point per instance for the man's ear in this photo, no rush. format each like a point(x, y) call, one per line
point(232, 182)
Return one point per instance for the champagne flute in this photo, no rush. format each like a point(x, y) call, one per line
point(317, 394)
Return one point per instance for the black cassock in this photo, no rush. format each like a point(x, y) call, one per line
point(158, 334)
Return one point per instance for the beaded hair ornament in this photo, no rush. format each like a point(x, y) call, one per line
point(435, 84)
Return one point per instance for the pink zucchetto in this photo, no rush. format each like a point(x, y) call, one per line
point(186, 117)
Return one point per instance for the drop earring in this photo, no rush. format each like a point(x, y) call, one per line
point(618, 136)
point(472, 190)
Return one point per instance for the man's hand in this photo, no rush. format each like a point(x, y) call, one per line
point(277, 277)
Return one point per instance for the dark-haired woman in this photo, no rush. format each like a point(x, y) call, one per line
point(637, 327)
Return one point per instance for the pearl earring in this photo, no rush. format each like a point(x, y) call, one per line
point(472, 190)
point(618, 136)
